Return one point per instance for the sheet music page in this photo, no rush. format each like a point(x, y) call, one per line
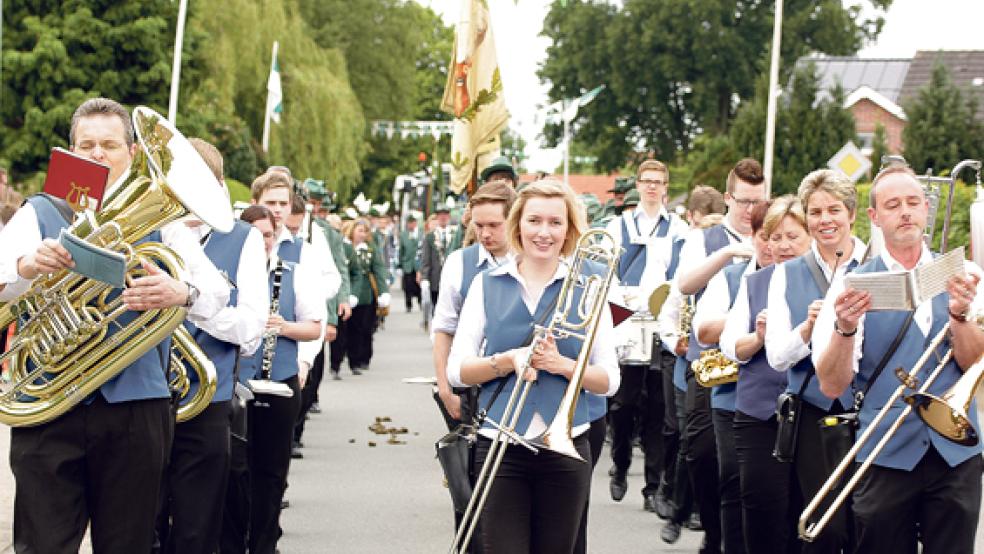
point(930, 279)
point(889, 290)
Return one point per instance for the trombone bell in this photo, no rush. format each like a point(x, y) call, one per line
point(950, 421)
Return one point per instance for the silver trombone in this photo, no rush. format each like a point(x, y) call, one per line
point(594, 247)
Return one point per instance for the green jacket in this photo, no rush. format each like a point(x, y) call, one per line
point(360, 266)
point(408, 251)
point(336, 244)
point(457, 239)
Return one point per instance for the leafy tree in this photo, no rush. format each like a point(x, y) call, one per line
point(879, 147)
point(942, 128)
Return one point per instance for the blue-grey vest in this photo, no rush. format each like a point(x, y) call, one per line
point(290, 251)
point(759, 386)
point(470, 268)
point(633, 260)
point(723, 396)
point(142, 379)
point(508, 324)
point(285, 354)
point(225, 251)
point(715, 238)
point(801, 290)
point(914, 437)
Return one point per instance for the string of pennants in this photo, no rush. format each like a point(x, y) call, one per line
point(413, 129)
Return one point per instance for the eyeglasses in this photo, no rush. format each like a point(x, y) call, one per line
point(649, 182)
point(746, 203)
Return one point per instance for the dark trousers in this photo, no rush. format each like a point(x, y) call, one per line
point(194, 493)
point(703, 463)
point(359, 331)
point(596, 441)
point(99, 463)
point(536, 500)
point(728, 481)
point(934, 503)
point(309, 394)
point(766, 488)
point(235, 516)
point(683, 492)
point(411, 289)
point(671, 428)
point(641, 392)
point(339, 347)
point(269, 457)
point(811, 473)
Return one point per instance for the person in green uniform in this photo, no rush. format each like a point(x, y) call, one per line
point(409, 244)
point(369, 290)
point(500, 168)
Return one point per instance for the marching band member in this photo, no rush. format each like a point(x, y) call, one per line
point(299, 317)
point(194, 491)
point(646, 235)
point(536, 502)
point(704, 254)
point(101, 463)
point(795, 296)
point(368, 277)
point(922, 488)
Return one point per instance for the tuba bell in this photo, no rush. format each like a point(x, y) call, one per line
point(62, 352)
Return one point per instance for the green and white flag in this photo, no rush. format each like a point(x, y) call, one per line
point(275, 98)
point(571, 112)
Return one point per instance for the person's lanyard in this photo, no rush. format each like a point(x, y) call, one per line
point(655, 226)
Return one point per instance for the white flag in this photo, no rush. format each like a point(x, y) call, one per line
point(571, 112)
point(275, 94)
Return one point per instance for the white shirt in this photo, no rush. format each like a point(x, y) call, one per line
point(317, 254)
point(22, 236)
point(659, 250)
point(693, 255)
point(784, 346)
point(716, 304)
point(470, 336)
point(449, 300)
point(243, 324)
point(823, 329)
point(668, 321)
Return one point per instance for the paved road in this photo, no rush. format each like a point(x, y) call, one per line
point(347, 496)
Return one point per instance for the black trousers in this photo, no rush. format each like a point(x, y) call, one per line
point(728, 481)
point(269, 460)
point(536, 501)
point(596, 442)
point(703, 463)
point(811, 473)
point(768, 517)
point(309, 394)
point(411, 289)
point(195, 486)
point(640, 393)
point(98, 464)
point(935, 504)
point(671, 429)
point(235, 516)
point(339, 347)
point(359, 331)
point(683, 491)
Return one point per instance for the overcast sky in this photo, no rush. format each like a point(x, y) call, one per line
point(910, 25)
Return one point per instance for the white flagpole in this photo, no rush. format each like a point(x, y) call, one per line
point(172, 106)
point(770, 125)
point(266, 115)
point(567, 142)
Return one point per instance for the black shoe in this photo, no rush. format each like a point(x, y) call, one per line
point(694, 522)
point(617, 487)
point(284, 504)
point(665, 508)
point(356, 371)
point(670, 533)
point(295, 453)
point(315, 408)
point(649, 502)
point(611, 471)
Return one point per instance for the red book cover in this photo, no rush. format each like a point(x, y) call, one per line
point(79, 180)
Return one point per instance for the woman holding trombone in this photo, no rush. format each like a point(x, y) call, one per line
point(535, 501)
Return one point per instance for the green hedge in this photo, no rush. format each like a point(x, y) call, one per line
point(238, 192)
point(963, 197)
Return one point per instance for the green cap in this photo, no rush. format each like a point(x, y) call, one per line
point(631, 198)
point(501, 163)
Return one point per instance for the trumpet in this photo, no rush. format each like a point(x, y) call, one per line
point(596, 247)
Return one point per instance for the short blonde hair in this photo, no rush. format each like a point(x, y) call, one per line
point(361, 222)
point(547, 188)
point(893, 169)
point(269, 181)
point(653, 165)
point(210, 155)
point(786, 204)
point(833, 183)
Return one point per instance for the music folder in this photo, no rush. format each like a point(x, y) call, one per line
point(78, 180)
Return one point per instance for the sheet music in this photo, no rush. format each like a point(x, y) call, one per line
point(931, 278)
point(889, 290)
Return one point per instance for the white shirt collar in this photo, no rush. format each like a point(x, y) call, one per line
point(894, 265)
point(727, 225)
point(857, 254)
point(285, 235)
point(485, 256)
point(511, 267)
point(116, 184)
point(640, 214)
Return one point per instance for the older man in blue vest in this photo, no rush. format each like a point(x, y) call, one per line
point(921, 487)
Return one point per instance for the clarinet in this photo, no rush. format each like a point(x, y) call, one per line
point(270, 338)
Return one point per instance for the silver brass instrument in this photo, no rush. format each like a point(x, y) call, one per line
point(594, 246)
point(60, 354)
point(187, 358)
point(946, 415)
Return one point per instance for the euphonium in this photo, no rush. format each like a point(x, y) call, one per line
point(61, 353)
point(187, 357)
point(713, 368)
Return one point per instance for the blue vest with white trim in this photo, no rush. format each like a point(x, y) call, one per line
point(225, 251)
point(633, 260)
point(801, 291)
point(290, 251)
point(715, 238)
point(470, 268)
point(144, 378)
point(285, 353)
point(723, 396)
point(759, 386)
point(907, 447)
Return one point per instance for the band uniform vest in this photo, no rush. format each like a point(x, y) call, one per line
point(470, 268)
point(633, 260)
point(723, 396)
point(290, 250)
point(285, 353)
point(759, 386)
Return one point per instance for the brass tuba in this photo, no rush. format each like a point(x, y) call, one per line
point(61, 354)
point(187, 357)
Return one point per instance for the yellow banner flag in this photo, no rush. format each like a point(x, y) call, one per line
point(473, 94)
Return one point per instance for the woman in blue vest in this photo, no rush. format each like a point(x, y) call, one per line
point(536, 502)
point(300, 313)
point(766, 484)
point(369, 289)
point(796, 291)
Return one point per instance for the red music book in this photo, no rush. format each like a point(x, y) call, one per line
point(78, 180)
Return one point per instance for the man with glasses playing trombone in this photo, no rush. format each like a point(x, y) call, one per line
point(921, 486)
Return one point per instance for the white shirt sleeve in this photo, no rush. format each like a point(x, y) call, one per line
point(470, 333)
point(713, 304)
point(213, 289)
point(320, 253)
point(20, 237)
point(309, 305)
point(692, 253)
point(449, 301)
point(668, 321)
point(823, 329)
point(736, 326)
point(784, 347)
point(603, 351)
point(244, 323)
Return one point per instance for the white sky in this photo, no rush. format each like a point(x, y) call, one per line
point(910, 25)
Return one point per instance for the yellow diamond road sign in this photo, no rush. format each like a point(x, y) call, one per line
point(851, 161)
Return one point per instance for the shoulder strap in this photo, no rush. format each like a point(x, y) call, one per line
point(859, 397)
point(811, 263)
